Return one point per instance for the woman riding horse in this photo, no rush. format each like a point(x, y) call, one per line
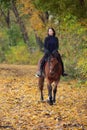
point(51, 45)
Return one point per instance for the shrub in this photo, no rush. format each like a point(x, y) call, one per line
point(20, 54)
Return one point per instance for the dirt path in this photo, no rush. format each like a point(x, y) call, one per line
point(20, 108)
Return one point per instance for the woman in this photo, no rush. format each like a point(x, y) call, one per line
point(51, 46)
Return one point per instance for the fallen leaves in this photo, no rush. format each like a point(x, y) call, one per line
point(20, 108)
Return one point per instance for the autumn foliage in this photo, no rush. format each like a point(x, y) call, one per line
point(20, 105)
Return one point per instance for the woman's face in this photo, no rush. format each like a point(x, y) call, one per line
point(50, 32)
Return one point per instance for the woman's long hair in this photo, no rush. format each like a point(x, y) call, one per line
point(54, 33)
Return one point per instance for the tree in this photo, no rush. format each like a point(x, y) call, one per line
point(20, 22)
point(11, 5)
point(62, 7)
point(6, 16)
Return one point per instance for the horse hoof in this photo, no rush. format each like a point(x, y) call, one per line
point(41, 99)
point(54, 101)
point(50, 102)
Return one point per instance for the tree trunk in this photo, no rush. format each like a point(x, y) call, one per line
point(44, 17)
point(39, 41)
point(21, 24)
point(82, 2)
point(6, 17)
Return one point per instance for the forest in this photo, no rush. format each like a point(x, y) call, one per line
point(23, 27)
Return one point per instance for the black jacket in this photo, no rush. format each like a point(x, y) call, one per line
point(51, 44)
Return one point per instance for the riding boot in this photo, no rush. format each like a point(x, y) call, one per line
point(60, 59)
point(63, 73)
point(40, 72)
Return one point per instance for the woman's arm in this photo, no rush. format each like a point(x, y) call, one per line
point(57, 43)
point(56, 46)
point(46, 46)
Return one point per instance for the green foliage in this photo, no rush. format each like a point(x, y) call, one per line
point(61, 7)
point(82, 64)
point(73, 46)
point(20, 55)
point(3, 44)
point(32, 39)
point(35, 57)
point(2, 57)
point(14, 35)
point(17, 54)
point(6, 3)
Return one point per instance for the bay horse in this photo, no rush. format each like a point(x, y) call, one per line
point(52, 73)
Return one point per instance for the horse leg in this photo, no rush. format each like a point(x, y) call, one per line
point(41, 96)
point(41, 85)
point(55, 91)
point(50, 101)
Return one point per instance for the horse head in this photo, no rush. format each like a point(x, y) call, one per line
point(53, 64)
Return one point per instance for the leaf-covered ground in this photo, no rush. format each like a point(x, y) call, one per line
point(20, 108)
